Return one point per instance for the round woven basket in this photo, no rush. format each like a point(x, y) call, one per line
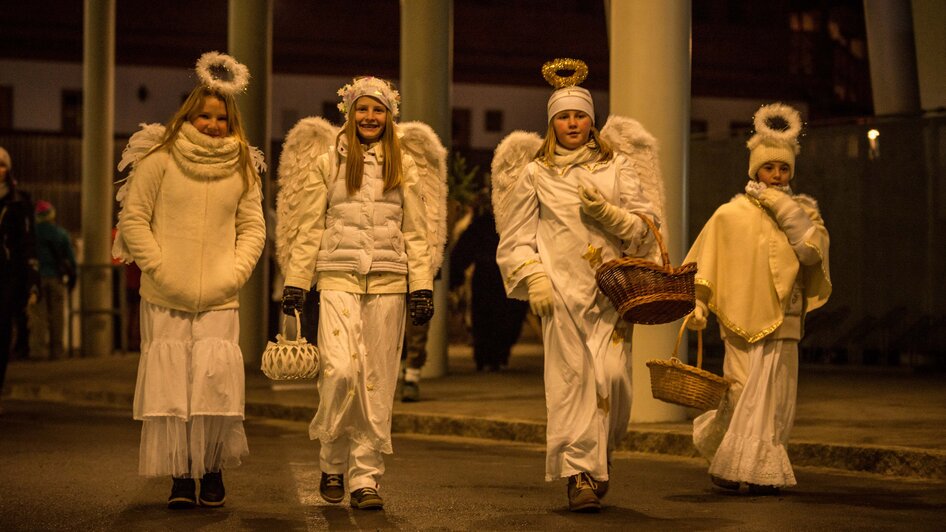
point(681, 384)
point(287, 359)
point(645, 292)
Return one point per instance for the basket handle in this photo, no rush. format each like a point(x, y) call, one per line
point(298, 326)
point(664, 256)
point(699, 342)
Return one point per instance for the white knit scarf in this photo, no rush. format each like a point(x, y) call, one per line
point(200, 154)
point(583, 154)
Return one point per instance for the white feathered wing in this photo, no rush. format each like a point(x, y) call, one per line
point(305, 142)
point(629, 138)
point(512, 155)
point(140, 144)
point(422, 143)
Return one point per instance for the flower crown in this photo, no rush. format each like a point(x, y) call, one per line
point(369, 86)
point(222, 73)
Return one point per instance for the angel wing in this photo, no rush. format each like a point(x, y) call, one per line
point(305, 142)
point(422, 143)
point(629, 138)
point(139, 145)
point(512, 155)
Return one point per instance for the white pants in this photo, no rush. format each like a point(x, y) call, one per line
point(745, 438)
point(587, 395)
point(190, 392)
point(360, 339)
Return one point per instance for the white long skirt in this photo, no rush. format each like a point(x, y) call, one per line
point(190, 392)
point(745, 438)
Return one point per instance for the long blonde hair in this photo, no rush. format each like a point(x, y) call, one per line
point(355, 163)
point(546, 152)
point(192, 106)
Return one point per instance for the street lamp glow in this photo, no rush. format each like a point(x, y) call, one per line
point(873, 134)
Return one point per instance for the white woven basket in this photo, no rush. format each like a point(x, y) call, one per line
point(287, 359)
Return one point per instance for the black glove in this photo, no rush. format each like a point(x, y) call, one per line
point(292, 300)
point(421, 305)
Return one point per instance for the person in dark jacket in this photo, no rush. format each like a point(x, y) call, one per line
point(18, 265)
point(57, 270)
point(497, 320)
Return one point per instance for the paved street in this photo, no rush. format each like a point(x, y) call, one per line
point(73, 468)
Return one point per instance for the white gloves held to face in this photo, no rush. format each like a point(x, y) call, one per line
point(540, 294)
point(790, 217)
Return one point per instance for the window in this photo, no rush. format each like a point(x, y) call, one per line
point(6, 107)
point(331, 113)
point(494, 120)
point(72, 111)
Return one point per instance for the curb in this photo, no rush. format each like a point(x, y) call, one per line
point(887, 461)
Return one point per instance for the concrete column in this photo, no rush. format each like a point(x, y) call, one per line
point(250, 41)
point(892, 57)
point(929, 19)
point(426, 74)
point(98, 85)
point(650, 82)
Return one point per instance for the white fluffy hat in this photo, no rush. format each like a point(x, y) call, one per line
point(776, 139)
point(377, 88)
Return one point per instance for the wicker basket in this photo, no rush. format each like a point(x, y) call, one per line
point(287, 359)
point(681, 384)
point(645, 292)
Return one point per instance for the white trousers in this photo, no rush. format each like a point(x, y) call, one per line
point(587, 395)
point(360, 340)
point(190, 392)
point(745, 438)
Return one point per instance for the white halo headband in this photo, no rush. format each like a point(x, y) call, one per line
point(222, 73)
point(369, 86)
point(778, 122)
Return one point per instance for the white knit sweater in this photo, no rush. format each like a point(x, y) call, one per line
point(193, 226)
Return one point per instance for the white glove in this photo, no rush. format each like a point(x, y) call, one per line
point(617, 221)
point(540, 294)
point(697, 321)
point(790, 217)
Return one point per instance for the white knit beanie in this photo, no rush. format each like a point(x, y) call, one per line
point(776, 139)
point(571, 99)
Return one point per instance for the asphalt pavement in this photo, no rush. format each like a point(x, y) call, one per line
point(888, 421)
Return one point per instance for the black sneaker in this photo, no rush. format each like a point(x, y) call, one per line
point(410, 392)
point(183, 494)
point(758, 489)
point(723, 483)
point(366, 499)
point(332, 487)
point(581, 494)
point(212, 493)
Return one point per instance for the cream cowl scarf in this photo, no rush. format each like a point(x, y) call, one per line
point(585, 154)
point(203, 155)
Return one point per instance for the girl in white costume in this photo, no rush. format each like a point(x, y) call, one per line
point(763, 263)
point(192, 219)
point(363, 232)
point(570, 210)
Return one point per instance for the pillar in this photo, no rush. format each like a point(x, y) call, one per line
point(650, 82)
point(426, 74)
point(892, 58)
point(250, 41)
point(98, 85)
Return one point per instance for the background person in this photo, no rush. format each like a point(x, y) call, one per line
point(57, 270)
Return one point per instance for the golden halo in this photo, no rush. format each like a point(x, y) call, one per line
point(577, 66)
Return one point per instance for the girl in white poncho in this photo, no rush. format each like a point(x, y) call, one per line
point(192, 219)
point(570, 210)
point(762, 264)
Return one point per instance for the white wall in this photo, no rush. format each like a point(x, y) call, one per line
point(37, 88)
